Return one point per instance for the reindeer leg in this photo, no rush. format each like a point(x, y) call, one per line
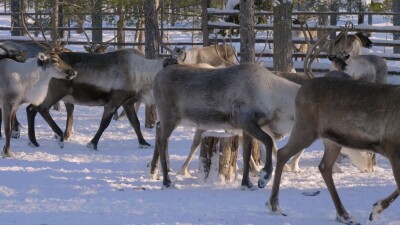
point(331, 153)
point(105, 122)
point(166, 129)
point(44, 111)
point(254, 130)
point(31, 112)
point(385, 203)
point(247, 144)
point(1, 120)
point(195, 143)
point(133, 119)
point(300, 138)
point(69, 127)
point(9, 114)
point(16, 129)
point(153, 165)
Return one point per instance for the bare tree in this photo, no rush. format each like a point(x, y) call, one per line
point(282, 37)
point(97, 21)
point(15, 19)
point(396, 22)
point(247, 33)
point(151, 47)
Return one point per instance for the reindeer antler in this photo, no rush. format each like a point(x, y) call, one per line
point(322, 45)
point(55, 47)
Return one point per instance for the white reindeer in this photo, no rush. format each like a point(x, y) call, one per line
point(27, 83)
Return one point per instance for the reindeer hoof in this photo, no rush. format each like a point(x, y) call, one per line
point(145, 146)
point(60, 141)
point(377, 209)
point(185, 173)
point(33, 145)
point(7, 155)
point(152, 175)
point(91, 146)
point(263, 179)
point(167, 185)
point(274, 209)
point(347, 220)
point(248, 188)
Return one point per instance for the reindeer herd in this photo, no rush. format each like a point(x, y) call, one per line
point(350, 107)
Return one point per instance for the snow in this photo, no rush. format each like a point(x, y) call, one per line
point(76, 185)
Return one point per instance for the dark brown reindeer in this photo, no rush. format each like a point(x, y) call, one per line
point(330, 109)
point(223, 101)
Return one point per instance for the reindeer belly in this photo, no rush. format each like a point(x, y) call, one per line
point(36, 95)
point(88, 95)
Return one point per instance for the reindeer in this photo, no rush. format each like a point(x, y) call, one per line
point(113, 79)
point(352, 44)
point(216, 56)
point(302, 48)
point(13, 51)
point(27, 83)
point(293, 166)
point(330, 109)
point(370, 68)
point(262, 107)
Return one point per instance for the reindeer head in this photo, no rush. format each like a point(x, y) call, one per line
point(55, 66)
point(179, 53)
point(14, 51)
point(364, 37)
point(339, 60)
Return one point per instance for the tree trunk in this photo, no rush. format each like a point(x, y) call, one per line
point(361, 8)
point(396, 22)
point(204, 21)
point(282, 37)
point(333, 7)
point(218, 156)
point(247, 33)
point(139, 36)
point(120, 26)
point(15, 19)
point(61, 22)
point(97, 21)
point(54, 22)
point(151, 46)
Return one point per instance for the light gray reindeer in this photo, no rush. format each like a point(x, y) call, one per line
point(330, 109)
point(27, 83)
point(294, 165)
point(216, 55)
point(263, 107)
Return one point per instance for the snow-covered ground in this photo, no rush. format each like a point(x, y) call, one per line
point(75, 185)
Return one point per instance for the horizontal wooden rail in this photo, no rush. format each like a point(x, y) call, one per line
point(357, 27)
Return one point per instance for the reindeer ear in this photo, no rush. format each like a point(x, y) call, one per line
point(87, 48)
point(42, 57)
point(346, 56)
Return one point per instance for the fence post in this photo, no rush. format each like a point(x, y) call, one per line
point(204, 21)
